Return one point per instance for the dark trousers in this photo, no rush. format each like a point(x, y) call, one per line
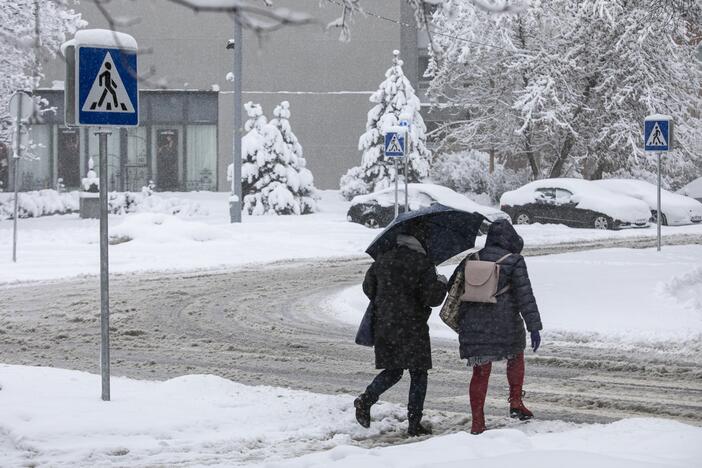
point(389, 377)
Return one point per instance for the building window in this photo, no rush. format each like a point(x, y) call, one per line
point(136, 172)
point(167, 157)
point(35, 165)
point(201, 157)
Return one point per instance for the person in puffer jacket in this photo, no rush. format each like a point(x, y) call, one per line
point(492, 332)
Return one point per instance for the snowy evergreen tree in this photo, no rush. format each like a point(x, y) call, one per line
point(22, 54)
point(270, 182)
point(300, 179)
point(564, 86)
point(395, 99)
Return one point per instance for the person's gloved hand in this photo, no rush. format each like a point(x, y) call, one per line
point(535, 340)
point(442, 278)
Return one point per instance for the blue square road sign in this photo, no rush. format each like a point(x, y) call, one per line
point(394, 145)
point(107, 87)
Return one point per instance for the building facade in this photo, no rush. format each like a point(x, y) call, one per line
point(175, 146)
point(185, 138)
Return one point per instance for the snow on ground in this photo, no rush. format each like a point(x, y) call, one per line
point(53, 247)
point(633, 297)
point(54, 417)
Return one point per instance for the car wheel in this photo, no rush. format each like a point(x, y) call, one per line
point(602, 222)
point(522, 218)
point(654, 218)
point(371, 222)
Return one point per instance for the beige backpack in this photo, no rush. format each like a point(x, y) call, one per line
point(481, 280)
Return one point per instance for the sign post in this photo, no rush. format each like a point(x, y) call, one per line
point(658, 138)
point(102, 91)
point(395, 147)
point(21, 108)
point(406, 124)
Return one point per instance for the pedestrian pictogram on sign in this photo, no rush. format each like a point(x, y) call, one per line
point(656, 137)
point(107, 94)
point(394, 145)
point(658, 133)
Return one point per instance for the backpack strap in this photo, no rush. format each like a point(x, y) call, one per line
point(504, 257)
point(506, 288)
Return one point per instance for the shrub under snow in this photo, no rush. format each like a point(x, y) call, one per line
point(468, 172)
point(50, 202)
point(38, 203)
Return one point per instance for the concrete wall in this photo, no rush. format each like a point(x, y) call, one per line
point(327, 82)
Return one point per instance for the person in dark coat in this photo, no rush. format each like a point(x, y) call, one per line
point(492, 332)
point(403, 286)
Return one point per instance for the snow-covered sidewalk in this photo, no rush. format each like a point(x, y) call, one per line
point(55, 247)
point(54, 417)
point(636, 298)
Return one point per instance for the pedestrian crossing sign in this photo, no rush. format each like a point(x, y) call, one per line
point(394, 145)
point(106, 88)
point(658, 133)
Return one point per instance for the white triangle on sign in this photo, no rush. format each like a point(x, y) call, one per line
point(656, 137)
point(107, 94)
point(394, 146)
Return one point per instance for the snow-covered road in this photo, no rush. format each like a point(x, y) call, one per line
point(266, 325)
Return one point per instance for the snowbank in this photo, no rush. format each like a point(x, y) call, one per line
point(54, 417)
point(632, 443)
point(613, 296)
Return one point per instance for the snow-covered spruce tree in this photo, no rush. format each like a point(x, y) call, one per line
point(270, 184)
point(21, 54)
point(564, 86)
point(394, 98)
point(299, 179)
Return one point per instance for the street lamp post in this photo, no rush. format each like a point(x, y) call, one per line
point(235, 198)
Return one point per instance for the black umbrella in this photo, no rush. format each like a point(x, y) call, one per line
point(446, 231)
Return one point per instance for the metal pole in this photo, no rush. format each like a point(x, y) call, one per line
point(397, 207)
point(658, 210)
point(15, 182)
point(235, 200)
point(406, 190)
point(104, 272)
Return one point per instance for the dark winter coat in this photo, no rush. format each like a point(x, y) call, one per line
point(497, 330)
point(403, 286)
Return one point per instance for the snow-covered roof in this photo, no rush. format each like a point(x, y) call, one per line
point(693, 189)
point(439, 193)
point(648, 193)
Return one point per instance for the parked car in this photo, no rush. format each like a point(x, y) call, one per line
point(676, 209)
point(378, 209)
point(576, 203)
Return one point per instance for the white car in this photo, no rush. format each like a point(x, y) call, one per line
point(676, 209)
point(574, 202)
point(378, 209)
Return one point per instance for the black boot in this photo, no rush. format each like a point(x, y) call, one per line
point(363, 406)
point(415, 427)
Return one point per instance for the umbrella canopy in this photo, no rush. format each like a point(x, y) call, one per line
point(445, 231)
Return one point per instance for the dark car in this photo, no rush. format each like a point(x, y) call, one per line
point(575, 203)
point(378, 209)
